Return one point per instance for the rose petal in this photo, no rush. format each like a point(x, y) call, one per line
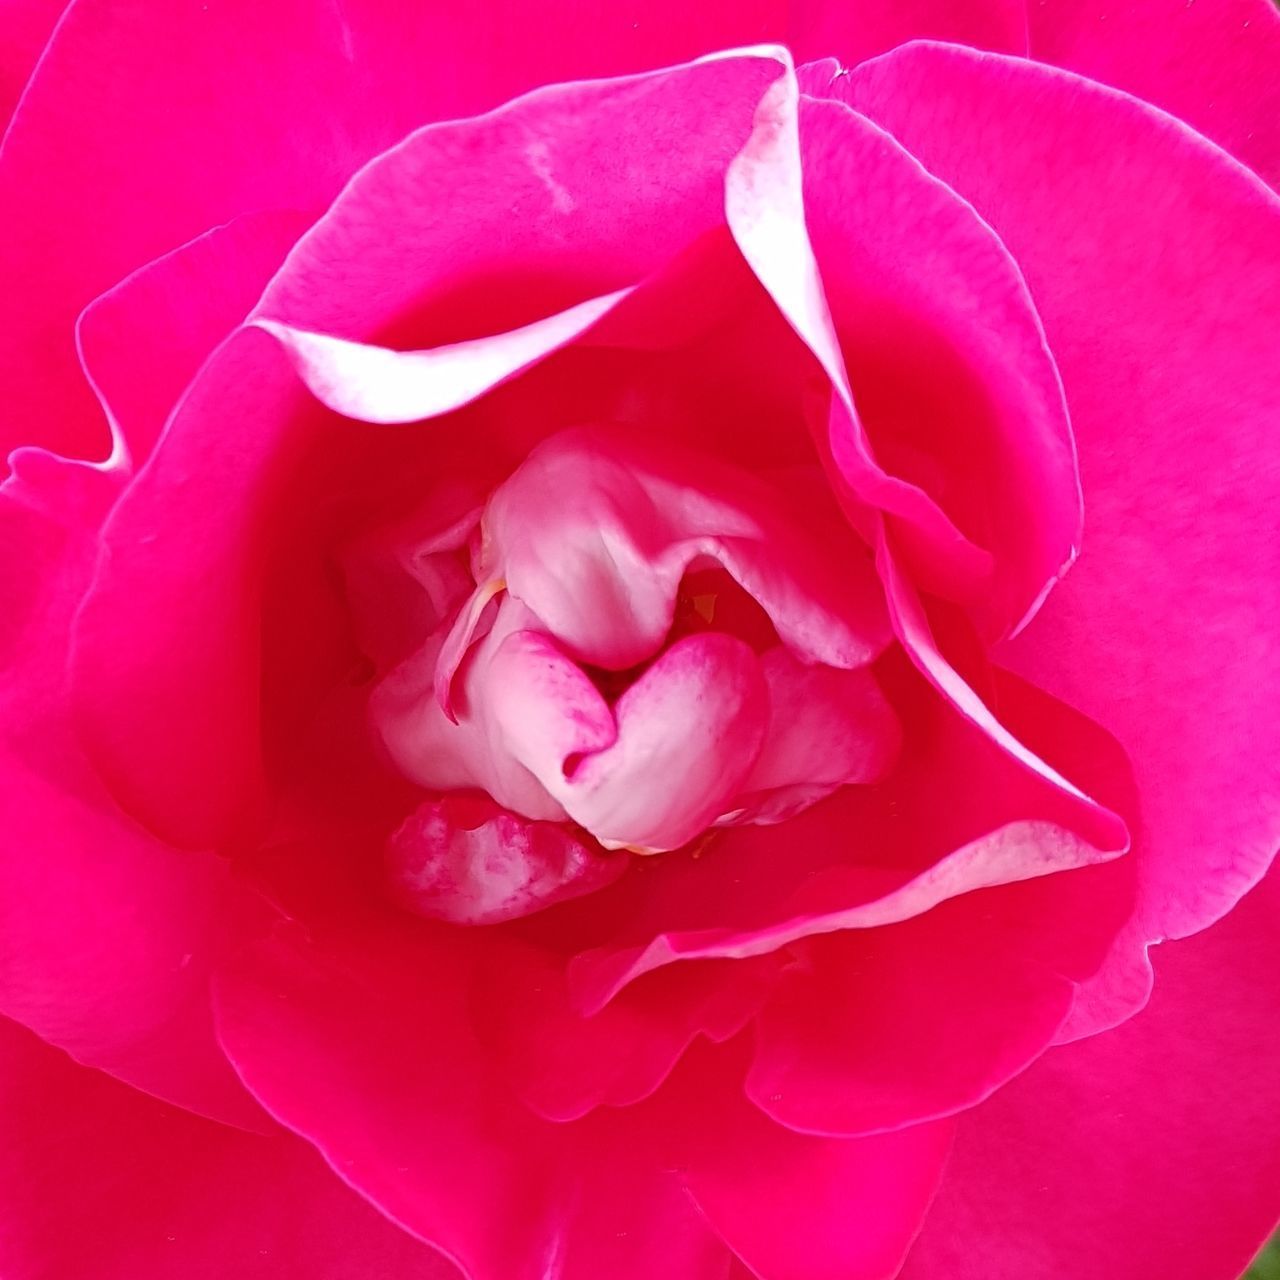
point(489, 866)
point(853, 32)
point(699, 714)
point(106, 935)
point(143, 341)
point(869, 856)
point(1147, 1151)
point(315, 1021)
point(795, 1207)
point(1212, 65)
point(127, 90)
point(27, 27)
point(916, 280)
point(98, 1179)
point(595, 531)
point(1165, 629)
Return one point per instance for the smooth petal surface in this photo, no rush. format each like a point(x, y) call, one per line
point(25, 27)
point(416, 1115)
point(106, 935)
point(1181, 560)
point(1212, 65)
point(143, 341)
point(1146, 1151)
point(794, 1207)
point(99, 1180)
point(853, 32)
point(126, 88)
point(916, 280)
point(146, 636)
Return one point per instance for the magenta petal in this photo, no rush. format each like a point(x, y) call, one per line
point(564, 1064)
point(875, 1029)
point(1147, 1151)
point(423, 244)
point(108, 935)
point(795, 1207)
point(916, 280)
point(1212, 65)
point(852, 32)
point(414, 1113)
point(98, 1180)
point(1162, 630)
point(27, 25)
point(143, 341)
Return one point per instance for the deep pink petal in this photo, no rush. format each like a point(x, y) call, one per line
point(143, 341)
point(564, 1064)
point(25, 27)
point(167, 121)
point(99, 1180)
point(1212, 65)
point(416, 1114)
point(1164, 631)
point(852, 32)
point(106, 935)
point(795, 1207)
point(916, 280)
point(874, 1029)
point(1146, 1151)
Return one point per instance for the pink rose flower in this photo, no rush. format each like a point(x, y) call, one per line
point(615, 653)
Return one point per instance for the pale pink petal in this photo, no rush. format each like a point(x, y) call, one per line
point(1212, 65)
point(1147, 1151)
point(827, 728)
point(596, 530)
point(698, 714)
point(482, 867)
point(1165, 629)
point(99, 1180)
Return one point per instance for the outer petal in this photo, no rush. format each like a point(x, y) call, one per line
point(143, 341)
point(917, 281)
point(106, 935)
point(795, 1207)
point(1167, 629)
point(98, 1180)
point(360, 1037)
point(1147, 1151)
point(147, 125)
point(1212, 65)
point(25, 27)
